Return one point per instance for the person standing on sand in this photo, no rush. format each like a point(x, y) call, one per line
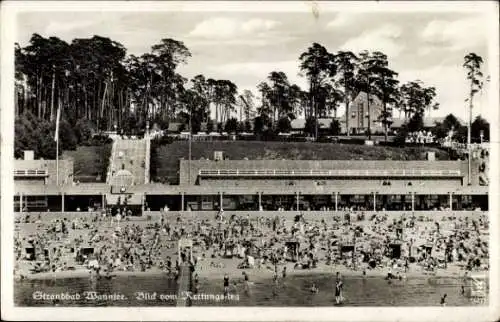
point(389, 274)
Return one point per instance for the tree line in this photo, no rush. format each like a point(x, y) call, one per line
point(99, 87)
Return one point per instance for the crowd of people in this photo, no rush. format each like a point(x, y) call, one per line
point(420, 137)
point(352, 241)
point(99, 243)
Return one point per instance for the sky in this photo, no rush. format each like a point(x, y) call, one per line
point(245, 46)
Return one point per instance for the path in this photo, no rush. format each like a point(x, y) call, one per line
point(183, 285)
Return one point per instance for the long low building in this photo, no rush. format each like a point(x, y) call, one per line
point(265, 185)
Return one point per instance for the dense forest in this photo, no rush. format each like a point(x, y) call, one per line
point(99, 87)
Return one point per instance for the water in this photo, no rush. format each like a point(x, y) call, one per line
point(358, 291)
point(294, 291)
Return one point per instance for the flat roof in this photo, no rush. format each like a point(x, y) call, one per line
point(52, 189)
point(253, 190)
point(162, 189)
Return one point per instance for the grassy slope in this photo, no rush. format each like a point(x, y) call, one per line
point(90, 162)
point(166, 159)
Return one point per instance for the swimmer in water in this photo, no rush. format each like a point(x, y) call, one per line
point(234, 287)
point(338, 292)
point(196, 284)
point(338, 289)
point(275, 278)
point(314, 289)
point(247, 282)
point(226, 284)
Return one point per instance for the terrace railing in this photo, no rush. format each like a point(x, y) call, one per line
point(31, 173)
point(328, 173)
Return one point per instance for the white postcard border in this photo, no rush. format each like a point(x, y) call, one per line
point(10, 312)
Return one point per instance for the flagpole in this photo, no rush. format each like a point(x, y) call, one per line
point(56, 138)
point(469, 150)
point(57, 154)
point(189, 165)
point(57, 161)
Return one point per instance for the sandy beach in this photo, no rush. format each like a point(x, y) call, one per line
point(205, 271)
point(230, 266)
point(86, 273)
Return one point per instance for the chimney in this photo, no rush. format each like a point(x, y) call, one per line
point(29, 155)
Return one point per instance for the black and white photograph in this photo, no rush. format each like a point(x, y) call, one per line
point(280, 158)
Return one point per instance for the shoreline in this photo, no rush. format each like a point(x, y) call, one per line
point(207, 272)
point(83, 273)
point(230, 267)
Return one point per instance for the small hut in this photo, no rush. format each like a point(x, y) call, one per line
point(428, 248)
point(29, 251)
point(395, 250)
point(345, 246)
point(293, 246)
point(185, 250)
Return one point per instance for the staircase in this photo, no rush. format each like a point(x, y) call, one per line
point(130, 155)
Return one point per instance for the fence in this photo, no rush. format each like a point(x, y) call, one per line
point(31, 173)
point(330, 173)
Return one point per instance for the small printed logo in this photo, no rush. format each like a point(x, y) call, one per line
point(478, 287)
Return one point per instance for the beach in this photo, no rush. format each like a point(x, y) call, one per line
point(280, 255)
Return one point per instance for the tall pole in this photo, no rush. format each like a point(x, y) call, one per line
point(469, 139)
point(189, 165)
point(58, 117)
point(354, 252)
point(298, 200)
point(57, 161)
point(413, 201)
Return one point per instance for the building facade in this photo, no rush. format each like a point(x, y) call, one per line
point(270, 185)
point(362, 111)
